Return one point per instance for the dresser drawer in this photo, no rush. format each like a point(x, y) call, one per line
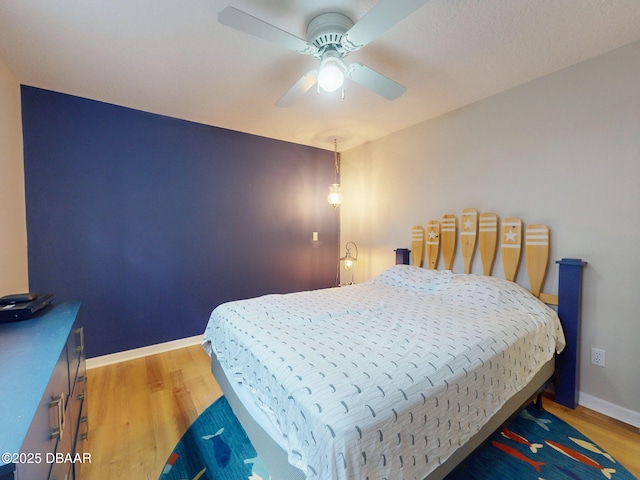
point(50, 428)
point(75, 349)
point(43, 372)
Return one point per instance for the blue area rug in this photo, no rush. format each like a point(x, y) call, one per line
point(215, 447)
point(538, 445)
point(535, 445)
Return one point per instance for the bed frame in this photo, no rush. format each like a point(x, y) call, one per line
point(426, 244)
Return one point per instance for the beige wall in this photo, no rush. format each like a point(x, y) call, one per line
point(562, 150)
point(13, 230)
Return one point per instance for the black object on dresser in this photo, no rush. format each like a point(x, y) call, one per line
point(22, 306)
point(42, 400)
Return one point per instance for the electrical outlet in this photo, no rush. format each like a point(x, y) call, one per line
point(597, 357)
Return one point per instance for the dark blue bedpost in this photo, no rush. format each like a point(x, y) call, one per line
point(569, 311)
point(402, 256)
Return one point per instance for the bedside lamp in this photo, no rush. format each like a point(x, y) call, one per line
point(349, 261)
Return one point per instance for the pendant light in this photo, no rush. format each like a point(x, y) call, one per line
point(335, 192)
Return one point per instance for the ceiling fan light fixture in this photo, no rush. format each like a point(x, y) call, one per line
point(330, 37)
point(331, 75)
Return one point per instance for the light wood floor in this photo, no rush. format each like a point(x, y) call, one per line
point(139, 409)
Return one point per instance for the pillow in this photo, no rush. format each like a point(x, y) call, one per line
point(414, 278)
point(480, 291)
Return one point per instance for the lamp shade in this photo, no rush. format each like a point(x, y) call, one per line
point(330, 77)
point(349, 261)
point(335, 195)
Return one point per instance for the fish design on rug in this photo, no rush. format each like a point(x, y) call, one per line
point(258, 470)
point(578, 457)
point(516, 454)
point(520, 439)
point(541, 422)
point(199, 474)
point(169, 465)
point(221, 451)
point(592, 448)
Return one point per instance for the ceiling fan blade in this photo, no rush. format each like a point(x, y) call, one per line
point(298, 89)
point(375, 81)
point(234, 18)
point(384, 15)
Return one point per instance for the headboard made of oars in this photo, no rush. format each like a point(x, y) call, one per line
point(482, 229)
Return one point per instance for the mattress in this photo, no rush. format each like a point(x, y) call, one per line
point(386, 378)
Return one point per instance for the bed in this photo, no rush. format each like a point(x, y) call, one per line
point(401, 376)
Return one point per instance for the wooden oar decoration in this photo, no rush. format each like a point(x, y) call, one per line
point(426, 246)
point(433, 243)
point(448, 238)
point(537, 255)
point(417, 245)
point(511, 246)
point(488, 238)
point(468, 235)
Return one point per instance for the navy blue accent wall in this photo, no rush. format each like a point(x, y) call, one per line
point(153, 221)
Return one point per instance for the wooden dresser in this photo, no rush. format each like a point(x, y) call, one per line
point(43, 420)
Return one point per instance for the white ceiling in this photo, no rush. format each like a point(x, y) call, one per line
point(173, 58)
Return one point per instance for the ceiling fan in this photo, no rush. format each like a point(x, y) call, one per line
point(331, 37)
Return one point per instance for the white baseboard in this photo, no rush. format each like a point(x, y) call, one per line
point(142, 352)
point(610, 409)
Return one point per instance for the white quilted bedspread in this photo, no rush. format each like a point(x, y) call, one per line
point(384, 379)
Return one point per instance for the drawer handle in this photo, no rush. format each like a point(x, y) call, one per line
point(85, 419)
point(80, 333)
point(58, 401)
